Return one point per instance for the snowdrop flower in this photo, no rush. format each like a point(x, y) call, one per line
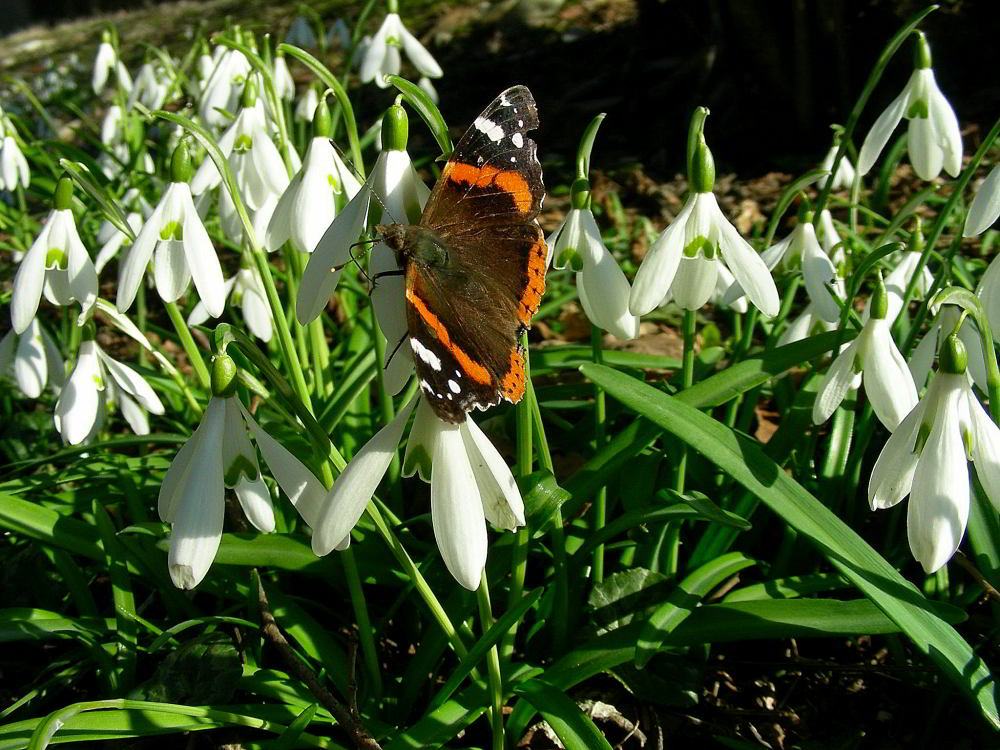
point(604, 290)
point(114, 243)
point(900, 276)
point(151, 87)
point(703, 238)
point(223, 88)
point(927, 458)
point(178, 244)
point(218, 455)
point(922, 356)
point(300, 33)
point(310, 203)
point(339, 34)
point(206, 64)
point(934, 138)
point(305, 109)
point(111, 125)
point(829, 238)
point(382, 58)
point(246, 291)
point(873, 355)
point(106, 61)
point(403, 194)
point(57, 264)
point(253, 158)
point(33, 359)
point(470, 484)
point(808, 323)
point(985, 206)
point(823, 284)
point(284, 86)
point(843, 178)
point(723, 282)
point(13, 166)
point(83, 397)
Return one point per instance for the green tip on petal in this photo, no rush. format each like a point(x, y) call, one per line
point(580, 193)
point(880, 299)
point(702, 175)
point(180, 164)
point(395, 129)
point(106, 36)
point(953, 358)
point(922, 52)
point(64, 194)
point(88, 331)
point(223, 376)
point(249, 98)
point(568, 256)
point(322, 122)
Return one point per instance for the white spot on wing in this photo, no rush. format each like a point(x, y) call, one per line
point(454, 386)
point(520, 123)
point(517, 139)
point(425, 354)
point(489, 128)
point(512, 160)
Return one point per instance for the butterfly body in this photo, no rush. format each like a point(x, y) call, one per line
point(474, 267)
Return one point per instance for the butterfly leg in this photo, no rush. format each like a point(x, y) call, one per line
point(395, 349)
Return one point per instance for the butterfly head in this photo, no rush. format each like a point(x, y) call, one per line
point(414, 244)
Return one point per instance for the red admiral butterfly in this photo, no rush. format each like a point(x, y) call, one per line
point(475, 264)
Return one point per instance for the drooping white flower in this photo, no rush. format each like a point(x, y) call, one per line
point(284, 86)
point(808, 323)
point(104, 62)
point(985, 207)
point(684, 259)
point(246, 292)
point(310, 203)
point(934, 138)
point(305, 109)
point(724, 280)
point(872, 358)
point(927, 458)
point(801, 248)
point(114, 244)
point(223, 88)
point(844, 177)
point(402, 194)
point(33, 359)
point(82, 399)
point(151, 87)
point(300, 33)
point(382, 57)
point(604, 291)
point(57, 264)
point(14, 170)
point(470, 484)
point(218, 455)
point(176, 241)
point(253, 158)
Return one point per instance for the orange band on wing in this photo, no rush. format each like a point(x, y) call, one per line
point(531, 296)
point(510, 182)
point(469, 367)
point(513, 381)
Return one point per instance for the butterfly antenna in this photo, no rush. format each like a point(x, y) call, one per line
point(354, 258)
point(357, 175)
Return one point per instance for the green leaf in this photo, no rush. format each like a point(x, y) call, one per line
point(542, 498)
point(424, 106)
point(682, 601)
point(744, 460)
point(204, 670)
point(624, 595)
point(574, 728)
point(114, 213)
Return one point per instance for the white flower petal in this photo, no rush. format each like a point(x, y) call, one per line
point(133, 267)
point(748, 267)
point(840, 378)
point(658, 268)
point(352, 490)
point(134, 414)
point(78, 404)
point(422, 59)
point(255, 499)
point(946, 130)
point(922, 357)
point(421, 442)
point(604, 293)
point(888, 383)
point(303, 489)
point(939, 501)
point(892, 475)
point(133, 384)
point(925, 152)
point(985, 449)
point(502, 502)
point(203, 262)
point(985, 207)
point(694, 282)
point(27, 288)
point(457, 510)
point(30, 367)
point(878, 136)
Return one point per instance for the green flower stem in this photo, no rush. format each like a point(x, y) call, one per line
point(873, 79)
point(492, 666)
point(365, 630)
point(140, 314)
point(522, 537)
point(320, 356)
point(291, 285)
point(190, 348)
point(601, 498)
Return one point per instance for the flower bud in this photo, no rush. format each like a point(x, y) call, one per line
point(64, 194)
point(223, 376)
point(180, 164)
point(916, 243)
point(580, 193)
point(322, 122)
point(395, 128)
point(702, 175)
point(952, 358)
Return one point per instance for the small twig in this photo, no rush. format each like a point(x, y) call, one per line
point(347, 718)
point(352, 682)
point(973, 571)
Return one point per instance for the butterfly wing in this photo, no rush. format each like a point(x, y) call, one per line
point(466, 315)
